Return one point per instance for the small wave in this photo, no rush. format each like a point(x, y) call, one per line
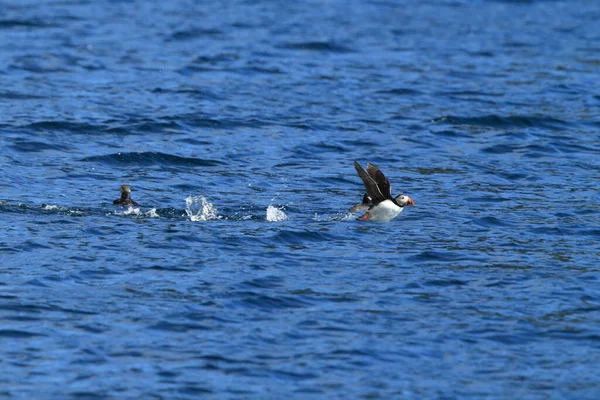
point(32, 146)
point(63, 126)
point(400, 91)
point(325, 47)
point(275, 214)
point(497, 121)
point(25, 23)
point(12, 95)
point(151, 158)
point(200, 209)
point(195, 33)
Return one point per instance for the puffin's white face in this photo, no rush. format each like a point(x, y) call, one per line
point(404, 200)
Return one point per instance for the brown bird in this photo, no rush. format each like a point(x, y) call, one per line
point(125, 199)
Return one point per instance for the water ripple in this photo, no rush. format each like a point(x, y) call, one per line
point(151, 158)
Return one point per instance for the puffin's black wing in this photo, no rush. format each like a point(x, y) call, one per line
point(370, 185)
point(382, 182)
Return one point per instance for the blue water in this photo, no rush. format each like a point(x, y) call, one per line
point(242, 275)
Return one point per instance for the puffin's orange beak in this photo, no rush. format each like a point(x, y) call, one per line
point(410, 202)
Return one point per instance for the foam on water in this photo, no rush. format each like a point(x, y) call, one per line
point(131, 211)
point(198, 208)
point(275, 214)
point(335, 217)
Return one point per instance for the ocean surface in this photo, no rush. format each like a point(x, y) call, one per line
point(242, 274)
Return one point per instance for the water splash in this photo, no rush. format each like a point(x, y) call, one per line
point(152, 213)
point(275, 214)
point(335, 217)
point(131, 211)
point(199, 209)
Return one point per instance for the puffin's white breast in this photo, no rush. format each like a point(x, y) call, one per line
point(385, 211)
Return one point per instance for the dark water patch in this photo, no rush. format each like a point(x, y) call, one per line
point(487, 199)
point(41, 309)
point(436, 171)
point(496, 121)
point(500, 149)
point(7, 249)
point(150, 159)
point(179, 327)
point(31, 146)
point(83, 395)
point(36, 282)
point(321, 47)
point(469, 93)
point(269, 282)
point(194, 142)
point(170, 268)
point(452, 133)
point(293, 376)
point(63, 127)
point(195, 33)
point(30, 245)
point(189, 90)
point(490, 222)
point(194, 390)
point(358, 143)
point(321, 148)
point(400, 92)
point(445, 282)
point(588, 232)
point(339, 298)
point(259, 69)
point(100, 273)
point(519, 1)
point(224, 124)
point(548, 230)
point(300, 238)
point(96, 329)
point(566, 147)
point(264, 302)
point(215, 59)
point(144, 127)
point(46, 64)
point(23, 318)
point(443, 256)
point(534, 149)
point(14, 95)
point(17, 334)
point(31, 23)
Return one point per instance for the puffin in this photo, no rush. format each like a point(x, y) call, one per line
point(125, 199)
point(378, 201)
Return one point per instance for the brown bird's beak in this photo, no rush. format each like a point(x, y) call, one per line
point(410, 202)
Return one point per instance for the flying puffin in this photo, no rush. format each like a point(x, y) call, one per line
point(125, 199)
point(378, 201)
